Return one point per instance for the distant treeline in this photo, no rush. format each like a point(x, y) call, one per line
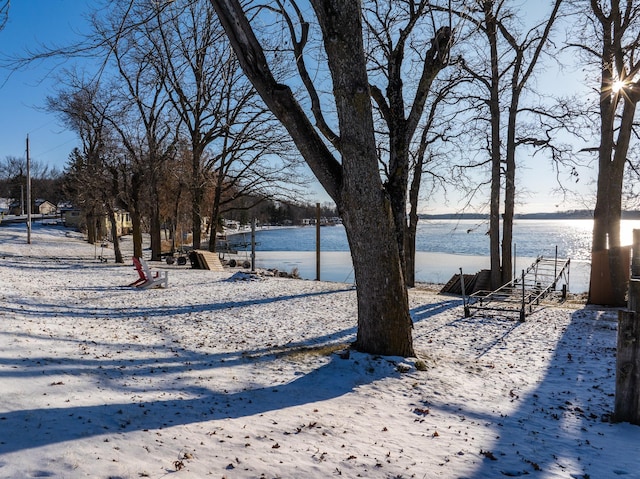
point(560, 215)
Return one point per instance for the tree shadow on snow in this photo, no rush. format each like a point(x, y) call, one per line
point(155, 372)
point(32, 428)
point(429, 310)
point(129, 309)
point(560, 427)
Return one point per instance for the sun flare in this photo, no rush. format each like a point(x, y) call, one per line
point(617, 86)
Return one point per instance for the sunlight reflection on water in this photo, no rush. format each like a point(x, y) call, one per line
point(443, 246)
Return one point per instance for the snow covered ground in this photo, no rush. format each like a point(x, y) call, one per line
point(228, 378)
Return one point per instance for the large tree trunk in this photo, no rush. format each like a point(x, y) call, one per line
point(616, 265)
point(612, 155)
point(155, 232)
point(155, 221)
point(215, 214)
point(606, 231)
point(117, 252)
point(494, 109)
point(412, 228)
point(507, 227)
point(509, 191)
point(397, 190)
point(90, 220)
point(410, 253)
point(136, 232)
point(384, 323)
point(608, 210)
point(196, 217)
point(215, 207)
point(197, 193)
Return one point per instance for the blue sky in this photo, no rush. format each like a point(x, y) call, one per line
point(56, 22)
point(23, 93)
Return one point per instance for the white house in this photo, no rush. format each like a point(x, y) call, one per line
point(45, 207)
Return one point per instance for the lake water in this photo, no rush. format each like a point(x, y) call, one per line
point(443, 247)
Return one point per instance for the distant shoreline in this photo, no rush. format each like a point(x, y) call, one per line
point(576, 214)
point(560, 215)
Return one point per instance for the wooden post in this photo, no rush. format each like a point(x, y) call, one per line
point(555, 269)
point(522, 311)
point(28, 194)
point(317, 241)
point(253, 245)
point(627, 402)
point(467, 311)
point(635, 258)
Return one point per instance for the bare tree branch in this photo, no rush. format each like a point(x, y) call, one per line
point(4, 12)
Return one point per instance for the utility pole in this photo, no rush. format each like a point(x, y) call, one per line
point(253, 245)
point(28, 194)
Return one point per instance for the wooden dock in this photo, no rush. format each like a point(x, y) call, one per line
point(521, 295)
point(202, 259)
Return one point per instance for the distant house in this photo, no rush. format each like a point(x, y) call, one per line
point(45, 207)
point(16, 208)
point(124, 224)
point(4, 206)
point(41, 207)
point(231, 224)
point(73, 218)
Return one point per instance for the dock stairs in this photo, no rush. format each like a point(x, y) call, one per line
point(521, 295)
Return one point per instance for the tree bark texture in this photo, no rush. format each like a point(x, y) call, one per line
point(117, 253)
point(215, 212)
point(155, 233)
point(197, 189)
point(615, 137)
point(402, 121)
point(627, 398)
point(509, 190)
point(91, 227)
point(136, 228)
point(494, 149)
point(384, 323)
point(412, 227)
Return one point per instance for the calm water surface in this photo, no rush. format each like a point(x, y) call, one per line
point(443, 246)
point(531, 237)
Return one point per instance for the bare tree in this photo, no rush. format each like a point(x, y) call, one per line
point(236, 145)
point(4, 12)
point(611, 40)
point(144, 126)
point(250, 159)
point(400, 98)
point(79, 187)
point(402, 69)
point(13, 166)
point(501, 69)
point(45, 181)
point(431, 152)
point(92, 177)
point(384, 324)
point(190, 56)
